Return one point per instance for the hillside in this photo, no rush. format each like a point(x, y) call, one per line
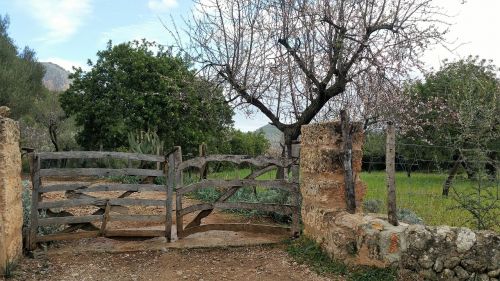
point(56, 77)
point(272, 134)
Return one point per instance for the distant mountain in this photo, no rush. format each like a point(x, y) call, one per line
point(56, 77)
point(272, 134)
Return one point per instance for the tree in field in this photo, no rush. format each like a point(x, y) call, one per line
point(461, 109)
point(292, 59)
point(20, 74)
point(132, 88)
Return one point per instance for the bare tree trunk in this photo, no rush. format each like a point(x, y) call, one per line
point(347, 160)
point(390, 168)
point(451, 175)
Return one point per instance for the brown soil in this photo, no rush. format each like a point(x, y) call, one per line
point(249, 263)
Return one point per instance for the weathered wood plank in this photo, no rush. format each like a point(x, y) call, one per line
point(74, 172)
point(259, 161)
point(90, 187)
point(67, 236)
point(134, 233)
point(68, 220)
point(255, 228)
point(195, 208)
point(169, 170)
point(99, 202)
point(100, 154)
point(142, 218)
point(279, 184)
point(35, 196)
point(105, 219)
point(278, 208)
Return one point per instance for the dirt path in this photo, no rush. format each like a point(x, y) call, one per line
point(264, 263)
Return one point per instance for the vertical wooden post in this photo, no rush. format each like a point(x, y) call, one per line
point(203, 153)
point(169, 170)
point(347, 161)
point(296, 194)
point(178, 184)
point(390, 167)
point(35, 197)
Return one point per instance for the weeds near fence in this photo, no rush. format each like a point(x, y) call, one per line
point(308, 252)
point(10, 269)
point(246, 194)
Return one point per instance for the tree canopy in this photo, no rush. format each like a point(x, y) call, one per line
point(140, 86)
point(291, 59)
point(459, 105)
point(20, 74)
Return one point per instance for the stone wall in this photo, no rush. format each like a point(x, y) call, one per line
point(420, 252)
point(11, 212)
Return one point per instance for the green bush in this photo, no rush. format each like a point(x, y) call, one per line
point(408, 216)
point(26, 200)
point(372, 206)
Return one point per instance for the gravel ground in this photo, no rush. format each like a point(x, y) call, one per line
point(242, 263)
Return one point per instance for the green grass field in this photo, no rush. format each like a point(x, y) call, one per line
point(420, 193)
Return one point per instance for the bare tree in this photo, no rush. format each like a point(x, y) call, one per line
point(290, 58)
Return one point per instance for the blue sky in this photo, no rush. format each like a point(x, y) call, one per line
point(68, 32)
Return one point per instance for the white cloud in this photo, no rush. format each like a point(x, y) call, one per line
point(66, 64)
point(152, 30)
point(160, 6)
point(61, 18)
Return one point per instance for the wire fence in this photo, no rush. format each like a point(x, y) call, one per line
point(436, 185)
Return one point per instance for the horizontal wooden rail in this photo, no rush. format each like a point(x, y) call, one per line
point(67, 236)
point(100, 154)
point(279, 184)
point(100, 202)
point(74, 172)
point(69, 219)
point(259, 161)
point(254, 228)
point(91, 187)
point(278, 208)
point(134, 233)
point(142, 218)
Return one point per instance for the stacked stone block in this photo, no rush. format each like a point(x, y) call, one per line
point(11, 212)
point(322, 174)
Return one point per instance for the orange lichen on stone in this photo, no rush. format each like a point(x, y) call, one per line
point(394, 246)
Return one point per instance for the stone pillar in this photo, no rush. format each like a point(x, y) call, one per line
point(322, 175)
point(11, 210)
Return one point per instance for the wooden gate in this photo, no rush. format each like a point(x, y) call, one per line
point(54, 200)
point(230, 187)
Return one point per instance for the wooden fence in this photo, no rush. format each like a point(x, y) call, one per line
point(230, 188)
point(63, 210)
point(109, 209)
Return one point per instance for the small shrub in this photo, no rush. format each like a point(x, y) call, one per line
point(372, 206)
point(26, 201)
point(408, 216)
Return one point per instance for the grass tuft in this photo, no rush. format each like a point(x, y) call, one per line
point(308, 252)
point(10, 269)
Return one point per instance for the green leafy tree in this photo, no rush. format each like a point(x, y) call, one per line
point(20, 74)
point(140, 86)
point(461, 110)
